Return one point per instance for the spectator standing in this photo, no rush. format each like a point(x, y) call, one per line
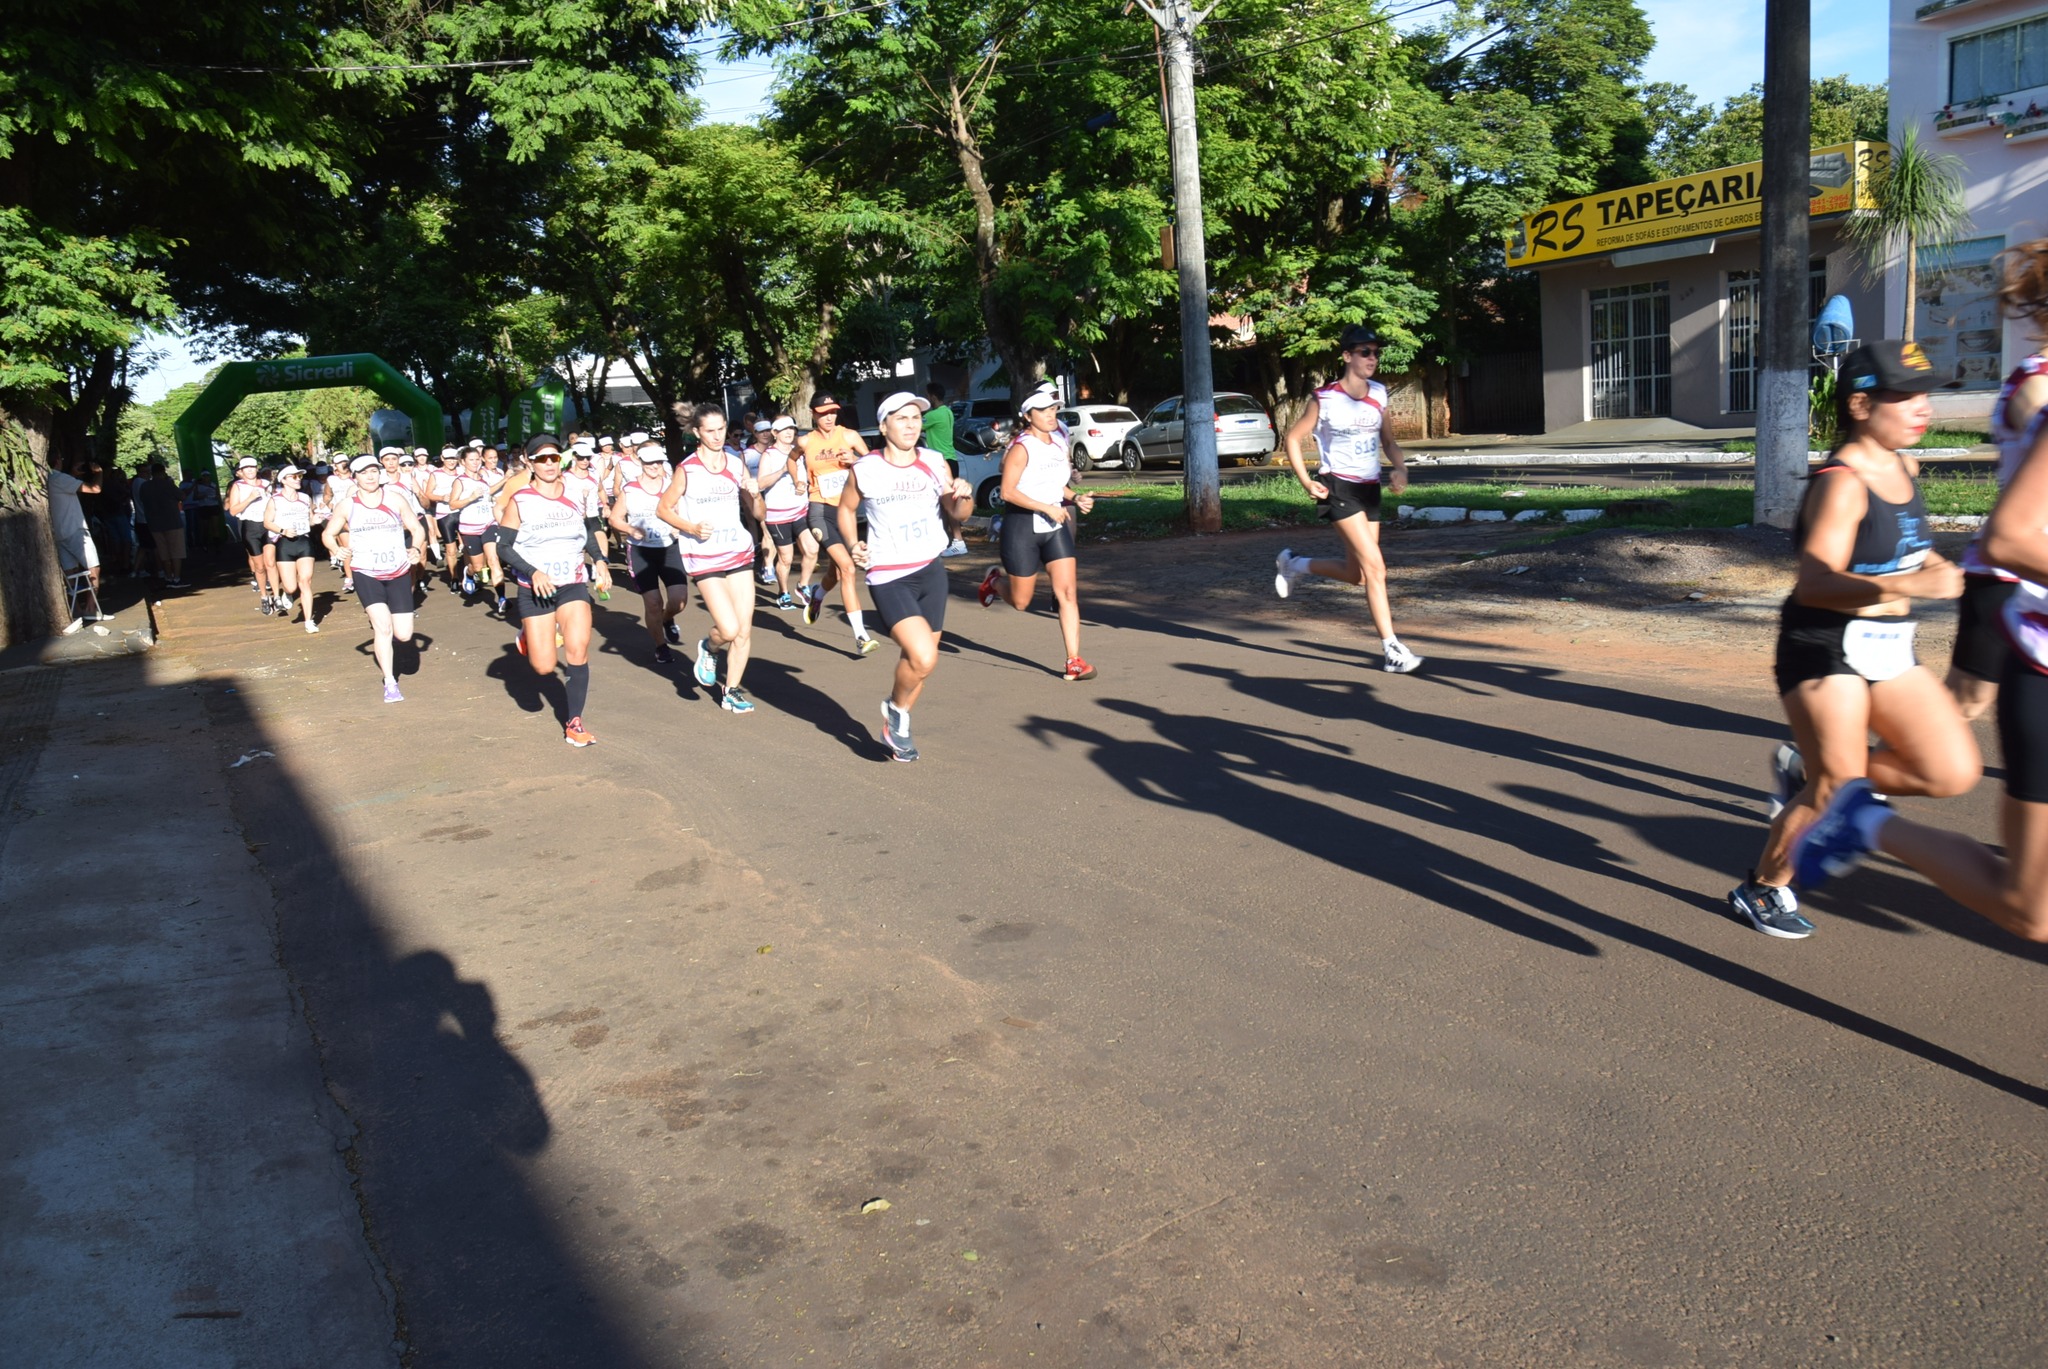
point(164, 512)
point(75, 549)
point(938, 435)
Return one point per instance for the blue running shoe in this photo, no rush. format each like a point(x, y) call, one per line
point(896, 732)
point(735, 700)
point(1771, 909)
point(1835, 843)
point(706, 669)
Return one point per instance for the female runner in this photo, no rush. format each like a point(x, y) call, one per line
point(912, 502)
point(246, 500)
point(652, 561)
point(1845, 666)
point(542, 537)
point(385, 541)
point(1038, 533)
point(786, 503)
point(288, 519)
point(704, 503)
point(1348, 419)
point(469, 495)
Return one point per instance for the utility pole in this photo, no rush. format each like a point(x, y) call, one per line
point(1786, 354)
point(1176, 21)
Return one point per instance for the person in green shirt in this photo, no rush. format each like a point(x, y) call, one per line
point(938, 435)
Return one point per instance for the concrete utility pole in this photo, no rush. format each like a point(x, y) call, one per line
point(1176, 20)
point(1786, 355)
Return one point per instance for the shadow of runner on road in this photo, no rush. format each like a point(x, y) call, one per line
point(776, 685)
point(446, 1116)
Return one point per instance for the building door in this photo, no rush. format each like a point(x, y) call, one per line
point(1745, 315)
point(1632, 351)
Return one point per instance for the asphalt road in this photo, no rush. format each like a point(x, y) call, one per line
point(1244, 1005)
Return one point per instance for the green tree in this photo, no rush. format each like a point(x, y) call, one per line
point(1919, 198)
point(1697, 139)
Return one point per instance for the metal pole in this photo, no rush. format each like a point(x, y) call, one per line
point(1177, 21)
point(1786, 352)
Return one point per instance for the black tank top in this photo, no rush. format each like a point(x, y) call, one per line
point(1892, 539)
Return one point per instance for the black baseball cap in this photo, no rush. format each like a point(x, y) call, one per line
point(1893, 365)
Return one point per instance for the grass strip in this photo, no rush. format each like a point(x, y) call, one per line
point(1934, 437)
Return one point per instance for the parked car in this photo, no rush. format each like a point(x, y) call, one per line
point(1096, 434)
point(971, 417)
point(1244, 432)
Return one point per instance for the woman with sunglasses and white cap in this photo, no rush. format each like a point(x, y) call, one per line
point(704, 503)
point(1038, 531)
point(384, 540)
point(912, 502)
point(654, 566)
point(1348, 420)
point(247, 498)
point(288, 520)
point(785, 509)
point(553, 555)
point(1845, 666)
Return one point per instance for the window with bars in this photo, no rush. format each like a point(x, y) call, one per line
point(1984, 66)
point(1744, 322)
point(1631, 334)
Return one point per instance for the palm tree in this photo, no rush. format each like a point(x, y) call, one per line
point(1919, 198)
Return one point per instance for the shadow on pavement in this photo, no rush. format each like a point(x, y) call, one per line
point(1208, 765)
point(446, 1115)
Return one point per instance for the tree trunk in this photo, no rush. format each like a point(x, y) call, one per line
point(1912, 289)
point(32, 604)
point(1024, 367)
point(814, 364)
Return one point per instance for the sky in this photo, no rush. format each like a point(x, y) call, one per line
point(1714, 48)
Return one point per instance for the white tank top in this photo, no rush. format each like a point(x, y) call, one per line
point(1348, 431)
point(2012, 449)
point(906, 531)
point(254, 512)
point(376, 538)
point(1047, 470)
point(789, 498)
point(476, 515)
point(294, 514)
point(551, 535)
point(582, 489)
point(641, 502)
point(713, 499)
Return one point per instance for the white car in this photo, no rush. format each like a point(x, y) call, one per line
point(1096, 434)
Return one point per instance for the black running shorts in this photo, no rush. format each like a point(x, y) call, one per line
point(254, 536)
point(1981, 643)
point(649, 568)
point(394, 594)
point(1027, 551)
point(1349, 498)
point(920, 594)
point(531, 606)
point(784, 534)
point(294, 548)
point(2023, 728)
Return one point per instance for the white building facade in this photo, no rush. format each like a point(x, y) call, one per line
point(1972, 76)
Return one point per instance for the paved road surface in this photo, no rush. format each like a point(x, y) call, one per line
point(1246, 1005)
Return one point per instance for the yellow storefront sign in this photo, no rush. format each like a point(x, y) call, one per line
point(1723, 201)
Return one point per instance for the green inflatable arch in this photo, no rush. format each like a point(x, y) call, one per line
point(240, 379)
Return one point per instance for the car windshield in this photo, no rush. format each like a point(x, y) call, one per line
point(991, 408)
point(1237, 404)
point(1112, 416)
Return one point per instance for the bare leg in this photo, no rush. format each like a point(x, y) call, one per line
point(1362, 565)
point(730, 601)
point(920, 646)
point(2012, 891)
point(1066, 595)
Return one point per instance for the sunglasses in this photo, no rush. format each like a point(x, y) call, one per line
point(1364, 351)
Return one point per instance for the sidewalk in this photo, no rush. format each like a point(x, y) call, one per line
point(174, 1180)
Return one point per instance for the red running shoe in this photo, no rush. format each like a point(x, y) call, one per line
point(988, 591)
point(575, 735)
point(1078, 669)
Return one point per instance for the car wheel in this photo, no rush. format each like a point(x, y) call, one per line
point(990, 494)
point(1134, 458)
point(1082, 461)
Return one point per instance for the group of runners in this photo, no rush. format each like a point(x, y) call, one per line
point(807, 514)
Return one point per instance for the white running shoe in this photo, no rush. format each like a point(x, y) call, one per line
point(1283, 578)
point(1399, 659)
point(956, 547)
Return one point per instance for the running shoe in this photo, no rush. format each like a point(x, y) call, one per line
point(706, 669)
point(1788, 776)
point(988, 593)
point(956, 547)
point(897, 733)
point(866, 645)
point(468, 585)
point(663, 656)
point(814, 599)
point(788, 603)
point(735, 700)
point(1771, 909)
point(348, 587)
point(1836, 841)
point(175, 583)
point(284, 605)
point(1078, 669)
point(520, 641)
point(1283, 578)
point(312, 626)
point(1399, 659)
point(672, 634)
point(575, 735)
point(391, 694)
point(768, 575)
point(267, 607)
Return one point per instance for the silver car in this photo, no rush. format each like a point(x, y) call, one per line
point(1244, 432)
